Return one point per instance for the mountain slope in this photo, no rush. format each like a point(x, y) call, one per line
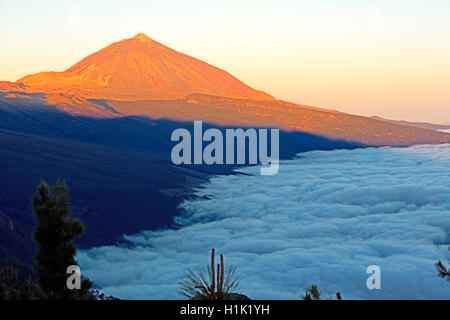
point(424, 125)
point(41, 110)
point(141, 68)
point(287, 116)
point(113, 191)
point(140, 76)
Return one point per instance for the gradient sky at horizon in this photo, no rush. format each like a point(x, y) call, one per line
point(389, 58)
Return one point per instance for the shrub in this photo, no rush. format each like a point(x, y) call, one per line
point(212, 283)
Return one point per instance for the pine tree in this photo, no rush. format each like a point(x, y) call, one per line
point(54, 234)
point(17, 281)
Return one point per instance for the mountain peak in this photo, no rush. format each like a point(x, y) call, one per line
point(142, 37)
point(140, 68)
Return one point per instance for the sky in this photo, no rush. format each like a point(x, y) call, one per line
point(385, 58)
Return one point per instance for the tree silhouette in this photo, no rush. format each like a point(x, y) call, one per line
point(54, 235)
point(17, 282)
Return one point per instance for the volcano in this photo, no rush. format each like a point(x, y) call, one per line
point(141, 68)
point(142, 77)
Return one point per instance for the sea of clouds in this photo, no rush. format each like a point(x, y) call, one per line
point(323, 219)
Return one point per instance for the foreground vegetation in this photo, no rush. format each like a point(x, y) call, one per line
point(209, 285)
point(54, 235)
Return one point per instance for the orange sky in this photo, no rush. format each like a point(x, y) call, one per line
point(365, 57)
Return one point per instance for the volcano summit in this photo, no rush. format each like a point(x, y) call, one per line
point(141, 68)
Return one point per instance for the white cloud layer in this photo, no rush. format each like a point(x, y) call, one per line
point(323, 219)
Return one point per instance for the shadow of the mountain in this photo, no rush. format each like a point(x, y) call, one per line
point(118, 170)
point(133, 133)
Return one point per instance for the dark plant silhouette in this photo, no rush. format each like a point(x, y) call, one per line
point(214, 284)
point(97, 295)
point(54, 234)
point(443, 271)
point(18, 282)
point(312, 293)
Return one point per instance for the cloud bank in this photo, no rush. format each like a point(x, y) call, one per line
point(323, 219)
